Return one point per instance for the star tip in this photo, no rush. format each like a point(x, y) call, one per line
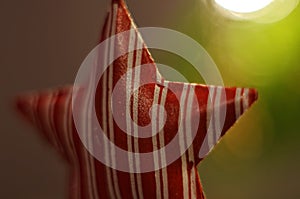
point(253, 95)
point(21, 105)
point(24, 102)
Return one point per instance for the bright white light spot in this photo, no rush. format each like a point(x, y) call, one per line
point(243, 6)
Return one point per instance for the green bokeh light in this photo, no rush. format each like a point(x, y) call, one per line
point(259, 158)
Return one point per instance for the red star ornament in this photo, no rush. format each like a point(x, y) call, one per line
point(51, 111)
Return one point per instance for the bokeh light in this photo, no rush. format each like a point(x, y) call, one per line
point(260, 11)
point(243, 6)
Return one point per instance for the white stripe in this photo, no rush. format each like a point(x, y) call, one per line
point(162, 143)
point(182, 118)
point(188, 121)
point(53, 133)
point(182, 142)
point(85, 153)
point(64, 130)
point(39, 120)
point(193, 183)
point(137, 73)
point(110, 90)
point(214, 129)
point(76, 156)
point(245, 99)
point(154, 142)
point(89, 134)
point(68, 140)
point(104, 111)
point(208, 141)
point(49, 132)
point(217, 109)
point(237, 102)
point(210, 119)
point(104, 122)
point(128, 105)
point(188, 127)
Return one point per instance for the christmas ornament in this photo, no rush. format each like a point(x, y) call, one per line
point(192, 112)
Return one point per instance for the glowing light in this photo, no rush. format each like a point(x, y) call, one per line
point(243, 6)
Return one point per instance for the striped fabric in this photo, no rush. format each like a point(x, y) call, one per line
point(51, 112)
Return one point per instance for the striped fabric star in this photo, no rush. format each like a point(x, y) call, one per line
point(51, 111)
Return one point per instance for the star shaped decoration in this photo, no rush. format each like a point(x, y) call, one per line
point(184, 105)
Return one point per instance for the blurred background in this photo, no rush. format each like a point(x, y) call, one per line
point(44, 42)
